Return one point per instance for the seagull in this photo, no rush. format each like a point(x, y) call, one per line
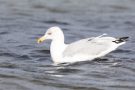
point(81, 50)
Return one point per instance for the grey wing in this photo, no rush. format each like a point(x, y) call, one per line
point(89, 46)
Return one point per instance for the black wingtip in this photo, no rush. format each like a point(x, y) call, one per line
point(122, 39)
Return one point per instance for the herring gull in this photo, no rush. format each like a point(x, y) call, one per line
point(82, 50)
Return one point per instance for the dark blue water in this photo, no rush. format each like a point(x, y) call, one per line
point(26, 65)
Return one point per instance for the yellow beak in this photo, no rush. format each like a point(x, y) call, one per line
point(40, 40)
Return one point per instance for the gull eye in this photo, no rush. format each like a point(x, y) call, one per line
point(49, 33)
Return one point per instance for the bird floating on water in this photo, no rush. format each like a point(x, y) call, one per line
point(82, 50)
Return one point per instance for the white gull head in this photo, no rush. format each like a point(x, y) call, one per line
point(53, 33)
point(57, 45)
